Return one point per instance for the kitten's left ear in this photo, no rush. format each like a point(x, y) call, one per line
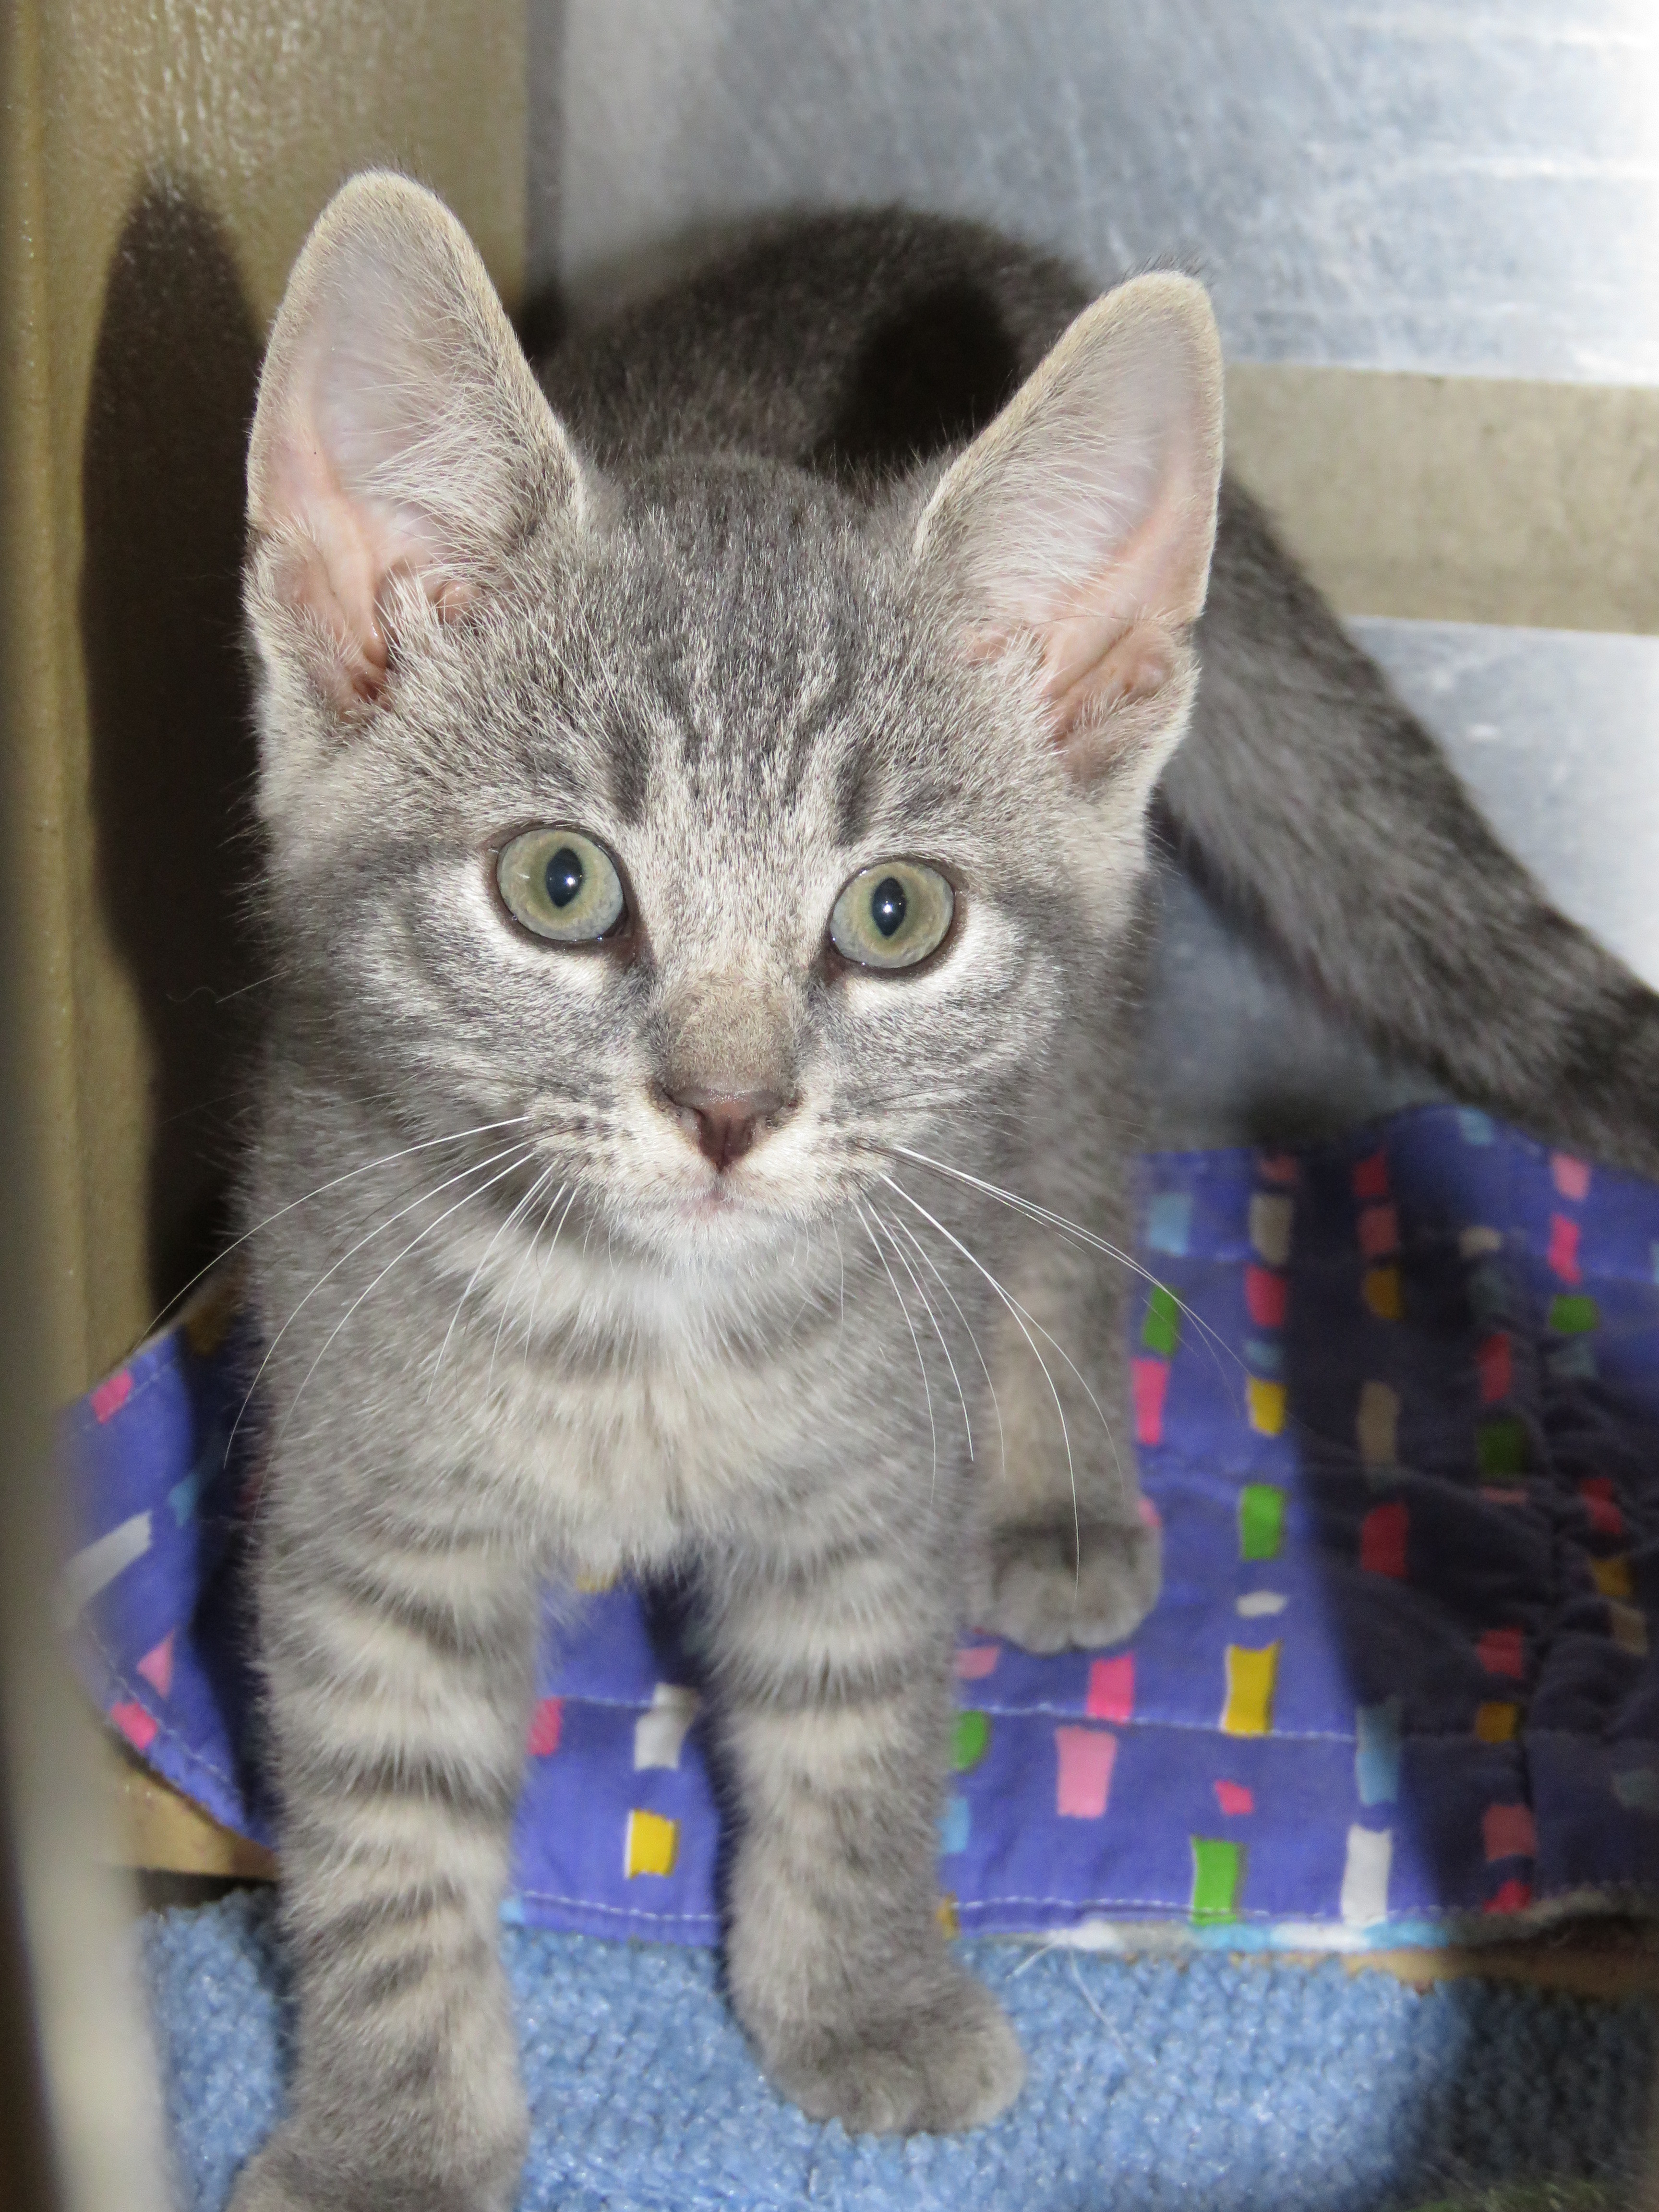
point(1079, 526)
point(401, 441)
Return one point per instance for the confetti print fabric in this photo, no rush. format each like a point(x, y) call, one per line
point(1397, 1407)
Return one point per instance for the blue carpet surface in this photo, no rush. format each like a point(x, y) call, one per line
point(1210, 2086)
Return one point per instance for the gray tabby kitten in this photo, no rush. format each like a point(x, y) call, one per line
point(708, 854)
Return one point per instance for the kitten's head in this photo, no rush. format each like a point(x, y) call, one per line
point(730, 828)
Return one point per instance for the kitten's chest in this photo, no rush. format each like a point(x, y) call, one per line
point(628, 1462)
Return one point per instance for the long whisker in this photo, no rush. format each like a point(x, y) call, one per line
point(926, 1257)
point(501, 1229)
point(1216, 1343)
point(379, 1229)
point(926, 1391)
point(1012, 1305)
point(1083, 1382)
point(525, 1258)
point(536, 1297)
point(841, 1262)
point(886, 1227)
point(426, 1145)
point(511, 1168)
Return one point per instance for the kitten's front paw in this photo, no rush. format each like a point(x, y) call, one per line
point(262, 2186)
point(1036, 1586)
point(287, 2176)
point(951, 2064)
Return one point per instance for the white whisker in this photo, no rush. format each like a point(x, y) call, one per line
point(511, 1168)
point(1215, 1342)
point(886, 1226)
point(1082, 1379)
point(525, 1258)
point(1013, 1307)
point(379, 1230)
point(367, 1167)
point(535, 1296)
point(932, 1430)
point(926, 1257)
point(501, 1229)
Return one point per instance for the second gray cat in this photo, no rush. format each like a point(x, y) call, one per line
point(708, 830)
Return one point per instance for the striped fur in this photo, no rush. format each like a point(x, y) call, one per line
point(514, 1337)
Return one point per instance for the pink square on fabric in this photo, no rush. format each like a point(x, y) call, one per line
point(1267, 1296)
point(546, 1726)
point(138, 1727)
point(978, 1660)
point(1495, 1363)
point(1084, 1781)
point(1112, 1689)
point(109, 1397)
point(1605, 1518)
point(1277, 1167)
point(1511, 1896)
point(1508, 1831)
point(1235, 1799)
point(1572, 1177)
point(1383, 1538)
point(1151, 1379)
point(1563, 1249)
point(156, 1666)
point(1371, 1175)
point(1379, 1232)
point(1503, 1651)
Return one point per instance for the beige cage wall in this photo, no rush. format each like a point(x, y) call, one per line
point(160, 163)
point(164, 159)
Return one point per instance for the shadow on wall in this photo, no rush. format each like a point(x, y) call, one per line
point(173, 743)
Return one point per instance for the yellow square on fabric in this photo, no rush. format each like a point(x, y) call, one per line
point(1266, 1401)
point(1252, 1677)
point(1627, 1628)
point(653, 1844)
point(1497, 1724)
point(1613, 1576)
point(1381, 1289)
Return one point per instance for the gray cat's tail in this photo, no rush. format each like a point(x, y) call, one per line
point(1321, 810)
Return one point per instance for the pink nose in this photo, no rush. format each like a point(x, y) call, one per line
point(727, 1123)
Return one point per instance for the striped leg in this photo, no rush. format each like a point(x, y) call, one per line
point(398, 1691)
point(837, 1711)
point(1067, 1557)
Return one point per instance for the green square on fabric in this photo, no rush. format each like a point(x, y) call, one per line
point(1161, 1330)
point(1500, 1446)
point(1261, 1521)
point(1217, 1877)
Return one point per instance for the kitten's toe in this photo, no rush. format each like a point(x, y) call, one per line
point(951, 2064)
point(1039, 1587)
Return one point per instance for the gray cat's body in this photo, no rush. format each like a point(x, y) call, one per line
point(671, 1249)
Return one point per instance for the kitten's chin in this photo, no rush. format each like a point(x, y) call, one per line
point(714, 1224)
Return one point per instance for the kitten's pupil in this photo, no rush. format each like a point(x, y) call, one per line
point(565, 872)
point(887, 904)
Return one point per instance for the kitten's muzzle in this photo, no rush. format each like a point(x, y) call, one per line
point(726, 1124)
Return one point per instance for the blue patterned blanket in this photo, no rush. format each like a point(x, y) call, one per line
point(1397, 1404)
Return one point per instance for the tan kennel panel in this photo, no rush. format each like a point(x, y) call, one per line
point(160, 163)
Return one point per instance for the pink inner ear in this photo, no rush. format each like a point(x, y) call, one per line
point(326, 573)
point(1085, 670)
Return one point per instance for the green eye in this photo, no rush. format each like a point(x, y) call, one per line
point(560, 884)
point(892, 915)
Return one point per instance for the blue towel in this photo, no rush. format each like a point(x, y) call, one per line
point(1212, 2086)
